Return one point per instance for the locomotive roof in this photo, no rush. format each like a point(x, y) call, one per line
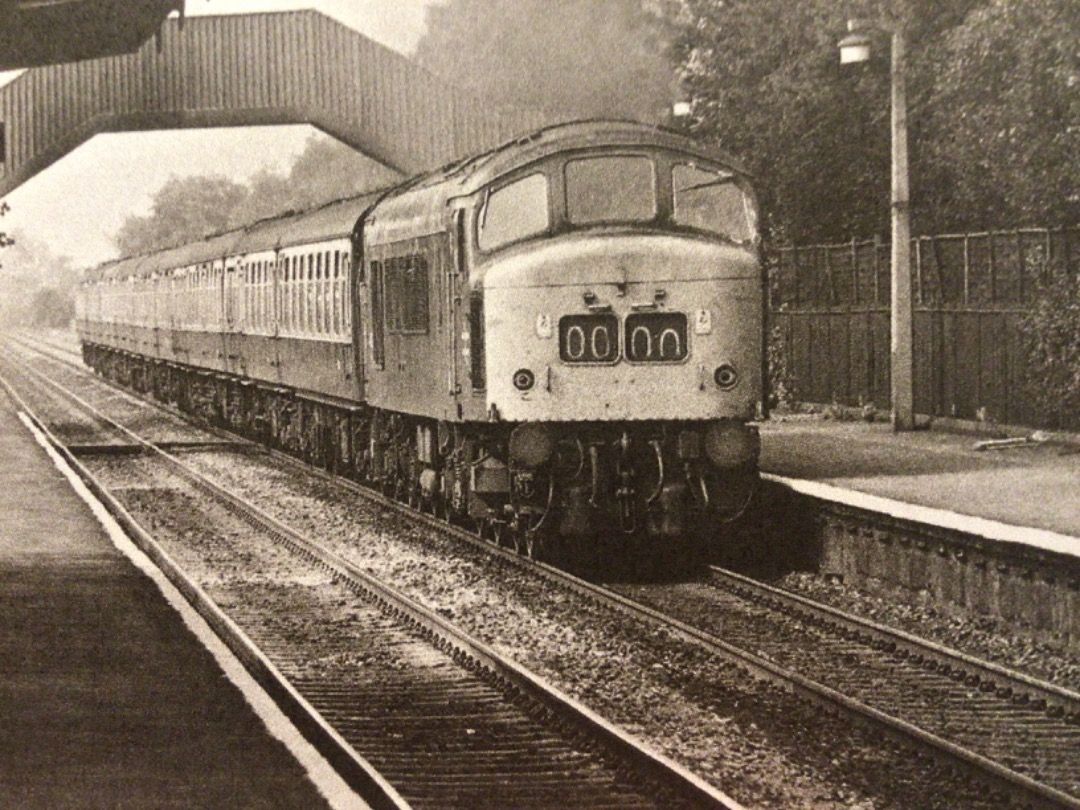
point(478, 171)
point(419, 205)
point(330, 221)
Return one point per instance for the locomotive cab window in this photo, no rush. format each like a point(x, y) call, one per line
point(614, 188)
point(514, 212)
point(712, 201)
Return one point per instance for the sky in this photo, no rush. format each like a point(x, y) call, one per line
point(77, 204)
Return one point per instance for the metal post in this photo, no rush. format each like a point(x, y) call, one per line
point(903, 408)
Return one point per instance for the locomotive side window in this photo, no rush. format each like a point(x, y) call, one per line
point(514, 212)
point(406, 279)
point(712, 201)
point(618, 188)
point(477, 370)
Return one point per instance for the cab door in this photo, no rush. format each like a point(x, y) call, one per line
point(457, 275)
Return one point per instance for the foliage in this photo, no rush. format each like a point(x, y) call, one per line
point(574, 58)
point(29, 267)
point(1003, 131)
point(185, 208)
point(326, 170)
point(52, 308)
point(1050, 335)
point(5, 240)
point(783, 387)
point(189, 208)
point(993, 110)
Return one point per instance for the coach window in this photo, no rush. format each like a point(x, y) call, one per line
point(317, 294)
point(335, 296)
point(313, 294)
point(287, 307)
point(324, 294)
point(301, 293)
point(311, 322)
point(296, 300)
point(329, 281)
point(314, 302)
point(338, 295)
point(711, 200)
point(615, 188)
point(266, 293)
point(305, 294)
point(514, 212)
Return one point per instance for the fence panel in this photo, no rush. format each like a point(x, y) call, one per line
point(831, 304)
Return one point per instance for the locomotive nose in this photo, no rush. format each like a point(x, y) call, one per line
point(583, 330)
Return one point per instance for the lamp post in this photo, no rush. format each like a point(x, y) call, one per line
point(855, 47)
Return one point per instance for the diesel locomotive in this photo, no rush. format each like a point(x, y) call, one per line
point(558, 341)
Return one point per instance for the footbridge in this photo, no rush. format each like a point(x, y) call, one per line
point(297, 67)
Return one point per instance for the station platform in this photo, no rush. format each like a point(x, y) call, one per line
point(1004, 490)
point(107, 698)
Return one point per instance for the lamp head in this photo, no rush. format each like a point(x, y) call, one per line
point(855, 47)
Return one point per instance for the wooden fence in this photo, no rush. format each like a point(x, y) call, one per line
point(829, 310)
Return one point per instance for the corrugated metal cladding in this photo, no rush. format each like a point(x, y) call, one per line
point(287, 68)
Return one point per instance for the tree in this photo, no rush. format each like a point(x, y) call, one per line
point(190, 208)
point(185, 208)
point(5, 240)
point(994, 94)
point(30, 266)
point(993, 110)
point(52, 308)
point(764, 84)
point(573, 58)
point(326, 170)
point(1003, 130)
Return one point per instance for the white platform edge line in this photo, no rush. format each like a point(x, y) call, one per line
point(941, 518)
point(322, 775)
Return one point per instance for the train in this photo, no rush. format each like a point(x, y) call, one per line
point(558, 342)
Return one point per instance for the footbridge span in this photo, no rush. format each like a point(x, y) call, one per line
point(297, 67)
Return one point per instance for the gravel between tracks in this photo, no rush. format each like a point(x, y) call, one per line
point(767, 749)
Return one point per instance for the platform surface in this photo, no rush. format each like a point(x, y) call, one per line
point(106, 698)
point(1036, 485)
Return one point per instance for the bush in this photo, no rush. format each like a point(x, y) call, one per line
point(52, 308)
point(1050, 336)
point(783, 388)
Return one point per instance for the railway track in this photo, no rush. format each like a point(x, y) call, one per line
point(413, 711)
point(1021, 732)
point(1000, 727)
